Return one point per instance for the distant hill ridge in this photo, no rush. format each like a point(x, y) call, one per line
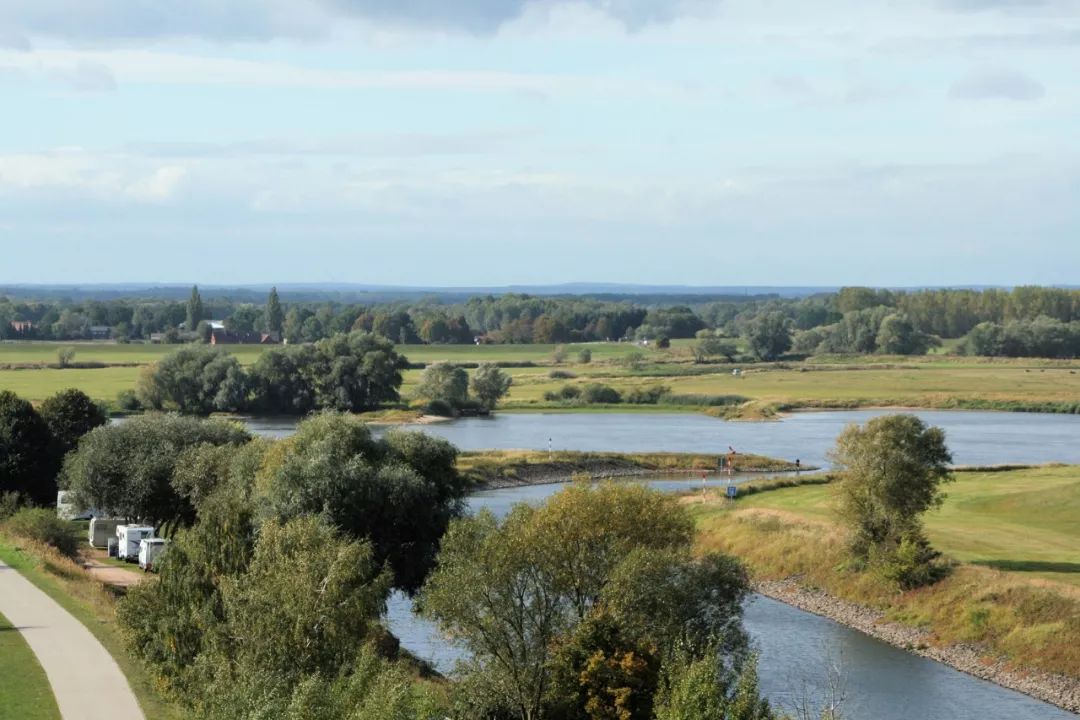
point(360, 292)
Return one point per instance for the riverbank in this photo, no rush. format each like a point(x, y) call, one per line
point(490, 469)
point(1059, 690)
point(1009, 610)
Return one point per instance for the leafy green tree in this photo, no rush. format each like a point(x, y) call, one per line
point(444, 381)
point(195, 311)
point(708, 348)
point(274, 316)
point(281, 383)
point(557, 576)
point(892, 470)
point(27, 458)
point(126, 470)
point(356, 372)
point(70, 414)
point(305, 600)
point(195, 380)
point(244, 319)
point(400, 492)
point(489, 384)
point(769, 335)
point(898, 336)
point(702, 687)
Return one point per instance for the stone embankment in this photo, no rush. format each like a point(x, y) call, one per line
point(1059, 690)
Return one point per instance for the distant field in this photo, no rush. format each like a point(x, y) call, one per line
point(932, 381)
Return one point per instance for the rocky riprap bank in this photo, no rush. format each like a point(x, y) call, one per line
point(1060, 690)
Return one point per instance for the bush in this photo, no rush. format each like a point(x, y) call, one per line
point(10, 502)
point(568, 393)
point(440, 408)
point(647, 395)
point(561, 375)
point(585, 356)
point(597, 393)
point(128, 401)
point(703, 400)
point(912, 564)
point(41, 525)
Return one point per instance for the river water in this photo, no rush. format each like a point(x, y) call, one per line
point(881, 682)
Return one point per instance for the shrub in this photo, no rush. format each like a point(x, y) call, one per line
point(647, 395)
point(440, 408)
point(912, 564)
point(585, 356)
point(597, 393)
point(41, 525)
point(566, 394)
point(10, 502)
point(561, 375)
point(703, 400)
point(128, 401)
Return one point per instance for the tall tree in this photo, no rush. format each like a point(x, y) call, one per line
point(195, 310)
point(27, 463)
point(275, 316)
point(892, 470)
point(70, 414)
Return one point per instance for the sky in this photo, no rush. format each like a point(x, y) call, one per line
point(495, 142)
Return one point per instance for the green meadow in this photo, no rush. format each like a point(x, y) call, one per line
point(934, 381)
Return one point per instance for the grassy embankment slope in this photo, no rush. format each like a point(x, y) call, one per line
point(91, 604)
point(25, 693)
point(1014, 535)
point(934, 381)
point(522, 467)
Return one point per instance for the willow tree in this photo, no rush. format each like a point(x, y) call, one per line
point(892, 470)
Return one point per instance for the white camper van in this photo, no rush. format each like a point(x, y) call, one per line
point(128, 539)
point(150, 549)
point(101, 529)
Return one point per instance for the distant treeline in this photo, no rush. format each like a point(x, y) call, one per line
point(852, 320)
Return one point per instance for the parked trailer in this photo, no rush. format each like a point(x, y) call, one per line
point(101, 529)
point(150, 549)
point(128, 539)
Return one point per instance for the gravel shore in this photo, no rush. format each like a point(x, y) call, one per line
point(1059, 690)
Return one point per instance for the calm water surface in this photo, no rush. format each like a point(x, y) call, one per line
point(975, 438)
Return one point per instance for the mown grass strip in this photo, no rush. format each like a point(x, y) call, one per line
point(25, 693)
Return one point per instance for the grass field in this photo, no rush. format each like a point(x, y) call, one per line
point(1014, 536)
point(87, 600)
point(827, 382)
point(25, 693)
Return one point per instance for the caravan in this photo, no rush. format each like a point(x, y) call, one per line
point(128, 539)
point(149, 551)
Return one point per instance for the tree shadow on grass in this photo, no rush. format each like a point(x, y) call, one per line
point(1030, 566)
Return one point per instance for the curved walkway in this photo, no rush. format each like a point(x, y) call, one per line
point(86, 681)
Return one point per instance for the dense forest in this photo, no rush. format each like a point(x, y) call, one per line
point(1022, 321)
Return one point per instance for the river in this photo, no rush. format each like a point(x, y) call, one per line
point(881, 682)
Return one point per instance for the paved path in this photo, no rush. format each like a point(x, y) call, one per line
point(86, 681)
